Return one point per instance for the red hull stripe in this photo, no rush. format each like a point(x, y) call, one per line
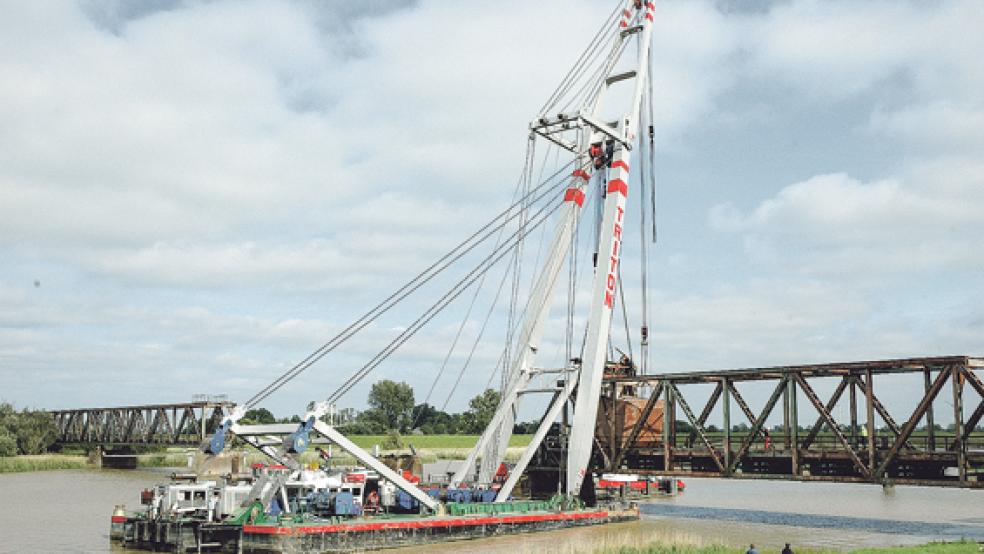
point(420, 524)
point(118, 519)
point(574, 195)
point(635, 485)
point(582, 174)
point(620, 163)
point(618, 185)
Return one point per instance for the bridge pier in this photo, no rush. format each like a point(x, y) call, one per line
point(120, 458)
point(93, 456)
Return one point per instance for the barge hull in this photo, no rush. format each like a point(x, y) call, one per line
point(356, 536)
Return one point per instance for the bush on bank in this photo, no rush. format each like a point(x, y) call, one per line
point(962, 547)
point(25, 432)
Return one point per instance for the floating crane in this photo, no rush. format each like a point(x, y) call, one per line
point(576, 122)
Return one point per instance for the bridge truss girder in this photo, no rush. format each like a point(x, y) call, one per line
point(849, 450)
point(185, 424)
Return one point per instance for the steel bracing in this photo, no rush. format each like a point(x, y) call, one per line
point(867, 444)
point(155, 424)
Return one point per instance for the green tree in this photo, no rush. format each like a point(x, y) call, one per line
point(393, 440)
point(428, 419)
point(480, 410)
point(8, 444)
point(261, 416)
point(8, 416)
point(35, 431)
point(8, 428)
point(525, 427)
point(393, 403)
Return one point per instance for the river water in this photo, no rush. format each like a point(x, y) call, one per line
point(68, 511)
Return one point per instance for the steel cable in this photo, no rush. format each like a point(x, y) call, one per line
point(543, 214)
point(478, 289)
point(419, 280)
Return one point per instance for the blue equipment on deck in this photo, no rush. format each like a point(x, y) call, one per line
point(345, 505)
point(297, 442)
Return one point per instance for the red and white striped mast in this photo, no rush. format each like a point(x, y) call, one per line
point(594, 139)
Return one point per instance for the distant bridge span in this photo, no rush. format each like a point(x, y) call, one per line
point(182, 424)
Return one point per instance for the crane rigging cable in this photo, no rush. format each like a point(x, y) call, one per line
point(593, 86)
point(478, 339)
point(539, 192)
point(518, 255)
point(594, 54)
point(648, 181)
point(478, 289)
point(574, 269)
point(538, 219)
point(588, 54)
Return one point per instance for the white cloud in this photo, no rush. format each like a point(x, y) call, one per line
point(176, 174)
point(938, 126)
point(829, 223)
point(834, 50)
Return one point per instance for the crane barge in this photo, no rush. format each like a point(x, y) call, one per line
point(287, 506)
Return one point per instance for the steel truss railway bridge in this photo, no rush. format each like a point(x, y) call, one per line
point(182, 424)
point(853, 450)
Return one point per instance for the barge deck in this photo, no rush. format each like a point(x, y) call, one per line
point(294, 536)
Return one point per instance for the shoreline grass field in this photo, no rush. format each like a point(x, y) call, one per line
point(429, 448)
point(42, 462)
point(677, 548)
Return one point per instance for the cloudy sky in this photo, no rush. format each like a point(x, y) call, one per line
point(195, 195)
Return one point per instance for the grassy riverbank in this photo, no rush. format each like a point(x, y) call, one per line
point(164, 459)
point(678, 548)
point(41, 462)
point(50, 462)
point(933, 548)
point(439, 442)
point(428, 447)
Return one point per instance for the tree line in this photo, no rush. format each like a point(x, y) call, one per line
point(391, 407)
point(26, 431)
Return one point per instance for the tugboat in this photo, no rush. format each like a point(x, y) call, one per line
point(285, 506)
